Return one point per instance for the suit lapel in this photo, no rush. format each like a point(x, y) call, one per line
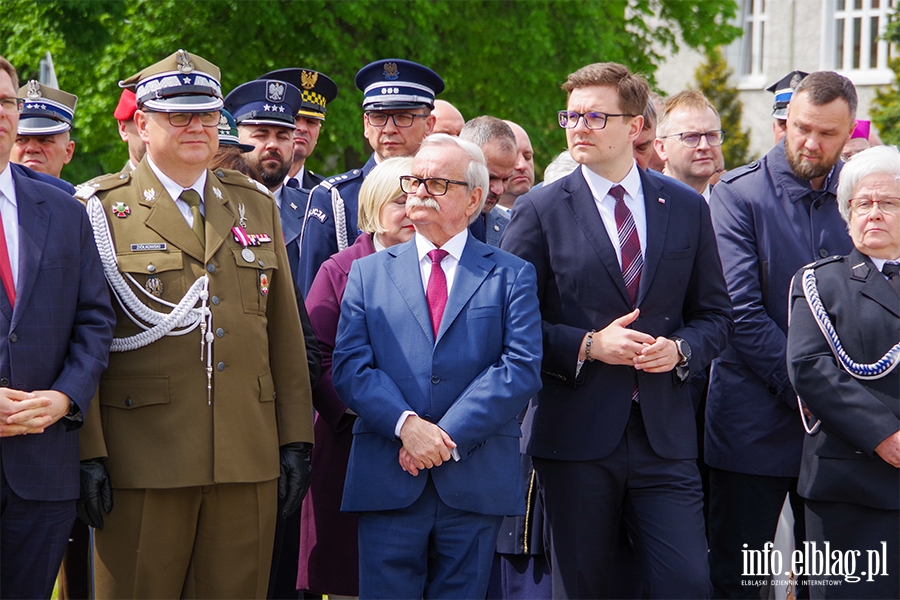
point(164, 217)
point(34, 223)
point(581, 202)
point(473, 267)
point(872, 283)
point(657, 224)
point(403, 269)
point(220, 215)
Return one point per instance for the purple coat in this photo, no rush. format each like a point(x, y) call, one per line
point(329, 555)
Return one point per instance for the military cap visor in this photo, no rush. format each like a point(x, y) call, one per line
point(179, 83)
point(316, 89)
point(45, 110)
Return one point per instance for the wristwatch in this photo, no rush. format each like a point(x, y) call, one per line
point(684, 350)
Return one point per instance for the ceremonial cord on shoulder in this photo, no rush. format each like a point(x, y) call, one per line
point(875, 370)
point(183, 318)
point(340, 219)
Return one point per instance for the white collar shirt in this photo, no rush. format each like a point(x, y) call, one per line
point(9, 210)
point(174, 190)
point(606, 205)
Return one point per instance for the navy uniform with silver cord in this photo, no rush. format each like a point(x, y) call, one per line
point(388, 86)
point(197, 434)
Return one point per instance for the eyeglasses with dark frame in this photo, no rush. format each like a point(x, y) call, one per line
point(10, 104)
point(568, 119)
point(183, 119)
point(402, 120)
point(691, 139)
point(435, 186)
point(863, 206)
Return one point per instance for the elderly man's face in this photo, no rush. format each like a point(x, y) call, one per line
point(389, 140)
point(816, 135)
point(273, 149)
point(876, 233)
point(439, 218)
point(44, 153)
point(693, 166)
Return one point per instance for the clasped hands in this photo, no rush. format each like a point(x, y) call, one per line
point(617, 345)
point(30, 412)
point(425, 445)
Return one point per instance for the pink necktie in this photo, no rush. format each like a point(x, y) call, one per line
point(436, 294)
point(629, 244)
point(6, 275)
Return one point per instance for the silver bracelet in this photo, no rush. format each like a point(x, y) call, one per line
point(587, 345)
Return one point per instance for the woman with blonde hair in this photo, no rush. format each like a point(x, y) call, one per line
point(329, 562)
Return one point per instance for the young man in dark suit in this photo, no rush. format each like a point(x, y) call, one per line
point(633, 304)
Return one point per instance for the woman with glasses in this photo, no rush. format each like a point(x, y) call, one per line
point(843, 346)
point(329, 562)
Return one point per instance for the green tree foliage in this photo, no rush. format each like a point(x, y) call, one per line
point(885, 110)
point(712, 79)
point(501, 57)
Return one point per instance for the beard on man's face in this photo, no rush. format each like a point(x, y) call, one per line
point(806, 169)
point(272, 175)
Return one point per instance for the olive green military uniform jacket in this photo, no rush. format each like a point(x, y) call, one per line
point(156, 424)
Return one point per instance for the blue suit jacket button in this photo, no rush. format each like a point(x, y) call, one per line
point(4, 382)
point(435, 379)
point(13, 338)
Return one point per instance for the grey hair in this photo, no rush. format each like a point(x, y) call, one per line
point(486, 128)
point(476, 175)
point(872, 161)
point(561, 166)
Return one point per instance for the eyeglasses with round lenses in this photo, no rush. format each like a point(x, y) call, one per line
point(863, 206)
point(568, 119)
point(691, 139)
point(404, 120)
point(183, 119)
point(434, 186)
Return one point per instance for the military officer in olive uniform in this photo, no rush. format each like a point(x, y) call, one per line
point(207, 390)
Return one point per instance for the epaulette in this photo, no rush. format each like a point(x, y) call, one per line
point(229, 177)
point(824, 261)
point(101, 184)
point(740, 172)
point(339, 179)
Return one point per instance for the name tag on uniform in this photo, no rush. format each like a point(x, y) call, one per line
point(146, 247)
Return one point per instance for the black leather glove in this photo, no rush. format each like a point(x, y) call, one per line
point(296, 467)
point(96, 493)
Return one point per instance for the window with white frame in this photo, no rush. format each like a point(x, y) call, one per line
point(858, 27)
point(753, 16)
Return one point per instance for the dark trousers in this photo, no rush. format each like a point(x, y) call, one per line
point(33, 538)
point(427, 550)
point(873, 533)
point(286, 553)
point(75, 573)
point(661, 502)
point(743, 514)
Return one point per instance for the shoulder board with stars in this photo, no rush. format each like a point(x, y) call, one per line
point(339, 179)
point(824, 261)
point(228, 177)
point(101, 184)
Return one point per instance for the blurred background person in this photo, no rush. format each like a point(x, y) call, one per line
point(644, 149)
point(849, 473)
point(447, 117)
point(784, 91)
point(859, 140)
point(523, 174)
point(329, 555)
point(124, 115)
point(232, 153)
point(43, 143)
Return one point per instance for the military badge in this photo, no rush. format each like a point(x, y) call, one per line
point(149, 194)
point(263, 283)
point(275, 91)
point(33, 91)
point(154, 286)
point(308, 79)
point(795, 80)
point(183, 59)
point(217, 192)
point(391, 72)
point(121, 210)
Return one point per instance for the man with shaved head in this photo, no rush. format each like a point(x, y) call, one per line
point(448, 119)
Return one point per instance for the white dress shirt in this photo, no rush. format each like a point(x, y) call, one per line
point(9, 210)
point(606, 205)
point(174, 190)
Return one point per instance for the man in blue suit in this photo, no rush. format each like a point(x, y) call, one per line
point(438, 349)
point(56, 325)
point(633, 304)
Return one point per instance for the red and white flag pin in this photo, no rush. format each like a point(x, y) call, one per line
point(661, 200)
